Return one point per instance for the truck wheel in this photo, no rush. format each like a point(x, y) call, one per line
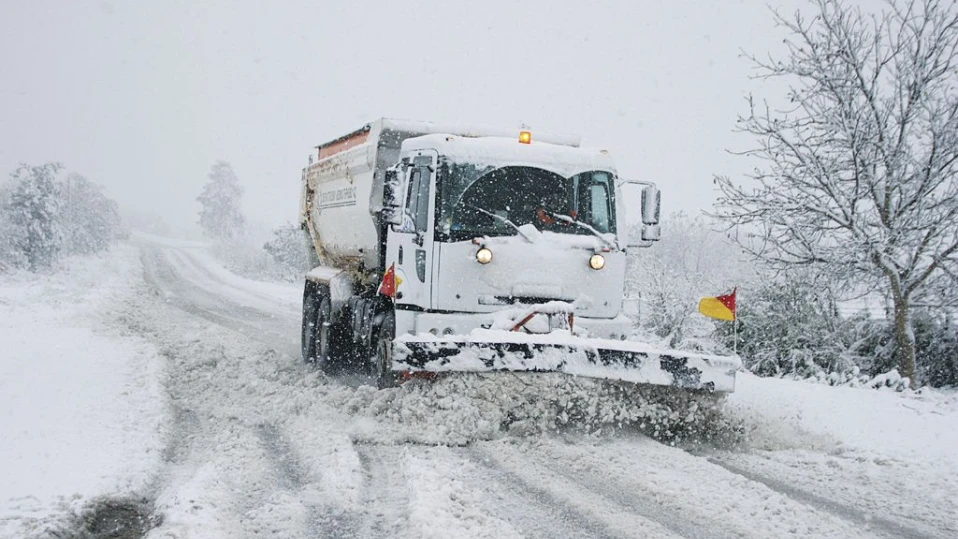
point(317, 325)
point(308, 340)
point(323, 332)
point(382, 353)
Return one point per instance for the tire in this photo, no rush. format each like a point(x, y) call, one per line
point(308, 341)
point(324, 331)
point(317, 326)
point(381, 356)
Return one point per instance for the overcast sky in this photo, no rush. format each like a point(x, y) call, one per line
point(142, 97)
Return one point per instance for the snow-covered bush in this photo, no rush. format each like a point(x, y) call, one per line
point(937, 338)
point(287, 246)
point(89, 220)
point(244, 256)
point(791, 324)
point(936, 341)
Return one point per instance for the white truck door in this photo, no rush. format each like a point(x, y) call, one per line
point(410, 245)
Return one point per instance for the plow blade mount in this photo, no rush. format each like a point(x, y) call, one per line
point(628, 361)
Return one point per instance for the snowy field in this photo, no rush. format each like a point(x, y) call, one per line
point(155, 377)
point(84, 411)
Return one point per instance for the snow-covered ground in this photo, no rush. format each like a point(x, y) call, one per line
point(885, 458)
point(84, 413)
point(226, 433)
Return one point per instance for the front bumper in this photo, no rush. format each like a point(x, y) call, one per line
point(628, 361)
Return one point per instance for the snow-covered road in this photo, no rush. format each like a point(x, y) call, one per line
point(260, 444)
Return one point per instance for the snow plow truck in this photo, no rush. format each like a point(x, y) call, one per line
point(441, 249)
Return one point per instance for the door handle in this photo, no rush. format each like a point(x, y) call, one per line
point(400, 255)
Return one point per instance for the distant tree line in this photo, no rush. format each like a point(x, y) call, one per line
point(45, 215)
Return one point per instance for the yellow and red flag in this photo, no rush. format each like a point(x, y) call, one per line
point(720, 307)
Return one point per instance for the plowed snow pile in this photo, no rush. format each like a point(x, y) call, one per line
point(466, 407)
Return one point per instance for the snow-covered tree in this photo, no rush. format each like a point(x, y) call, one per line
point(33, 214)
point(860, 176)
point(10, 255)
point(90, 221)
point(220, 214)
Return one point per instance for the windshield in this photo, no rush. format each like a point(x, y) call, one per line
point(500, 200)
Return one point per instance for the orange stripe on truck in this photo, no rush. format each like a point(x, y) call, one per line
point(342, 145)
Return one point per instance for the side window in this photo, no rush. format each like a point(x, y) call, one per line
point(422, 209)
point(416, 217)
point(594, 200)
point(412, 200)
point(600, 207)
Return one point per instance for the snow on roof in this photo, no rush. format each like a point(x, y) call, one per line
point(414, 126)
point(501, 151)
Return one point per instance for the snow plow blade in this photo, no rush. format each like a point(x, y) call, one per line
point(626, 361)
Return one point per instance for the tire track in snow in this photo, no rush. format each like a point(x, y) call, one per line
point(559, 507)
point(679, 492)
point(648, 506)
point(182, 434)
point(385, 491)
point(293, 476)
point(875, 524)
point(224, 475)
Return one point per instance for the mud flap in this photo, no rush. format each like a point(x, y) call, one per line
point(596, 358)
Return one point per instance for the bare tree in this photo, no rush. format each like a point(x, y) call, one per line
point(859, 176)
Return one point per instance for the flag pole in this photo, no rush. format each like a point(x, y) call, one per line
point(735, 334)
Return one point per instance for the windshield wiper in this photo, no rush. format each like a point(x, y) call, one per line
point(502, 219)
point(590, 228)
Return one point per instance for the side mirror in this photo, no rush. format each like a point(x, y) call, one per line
point(651, 233)
point(651, 208)
point(392, 197)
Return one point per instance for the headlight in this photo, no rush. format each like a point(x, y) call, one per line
point(484, 256)
point(597, 262)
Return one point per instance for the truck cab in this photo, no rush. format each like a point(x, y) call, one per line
point(479, 224)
